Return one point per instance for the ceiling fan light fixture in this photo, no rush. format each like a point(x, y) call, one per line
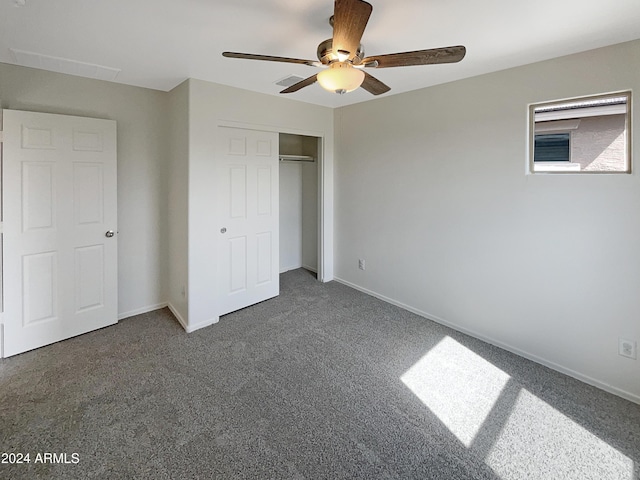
point(341, 78)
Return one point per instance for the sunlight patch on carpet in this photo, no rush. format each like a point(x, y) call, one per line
point(540, 442)
point(457, 385)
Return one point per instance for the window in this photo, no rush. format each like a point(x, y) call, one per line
point(581, 135)
point(552, 147)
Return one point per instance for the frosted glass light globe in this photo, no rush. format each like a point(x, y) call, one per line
point(341, 78)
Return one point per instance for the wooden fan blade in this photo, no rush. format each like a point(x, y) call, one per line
point(372, 85)
point(301, 84)
point(419, 57)
point(269, 58)
point(350, 18)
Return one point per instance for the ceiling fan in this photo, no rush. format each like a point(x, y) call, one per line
point(342, 56)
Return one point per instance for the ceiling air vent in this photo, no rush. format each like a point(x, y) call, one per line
point(288, 81)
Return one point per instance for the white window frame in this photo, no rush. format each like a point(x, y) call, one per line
point(572, 124)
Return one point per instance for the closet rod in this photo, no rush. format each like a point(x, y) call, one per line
point(296, 158)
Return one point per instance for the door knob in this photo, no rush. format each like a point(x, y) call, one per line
point(109, 234)
point(223, 230)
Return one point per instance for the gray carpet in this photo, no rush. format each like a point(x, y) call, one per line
point(321, 382)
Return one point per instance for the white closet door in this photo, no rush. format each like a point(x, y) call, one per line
point(59, 242)
point(248, 233)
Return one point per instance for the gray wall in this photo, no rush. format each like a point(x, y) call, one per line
point(142, 157)
point(432, 191)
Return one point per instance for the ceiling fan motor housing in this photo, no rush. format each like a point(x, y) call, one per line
point(327, 55)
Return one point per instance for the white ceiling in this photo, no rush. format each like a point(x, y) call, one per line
point(159, 43)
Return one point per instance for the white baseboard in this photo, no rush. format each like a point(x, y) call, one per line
point(547, 363)
point(191, 328)
point(206, 323)
point(181, 320)
point(290, 267)
point(306, 267)
point(139, 311)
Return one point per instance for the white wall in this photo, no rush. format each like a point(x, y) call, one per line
point(209, 106)
point(290, 216)
point(298, 215)
point(431, 191)
point(177, 210)
point(310, 147)
point(310, 215)
point(142, 197)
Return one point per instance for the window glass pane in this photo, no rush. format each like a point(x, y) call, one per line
point(553, 147)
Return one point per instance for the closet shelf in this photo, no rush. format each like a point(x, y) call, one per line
point(297, 158)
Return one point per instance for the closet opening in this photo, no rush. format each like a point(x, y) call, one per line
point(299, 201)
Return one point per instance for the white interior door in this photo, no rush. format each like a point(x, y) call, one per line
point(248, 233)
point(59, 207)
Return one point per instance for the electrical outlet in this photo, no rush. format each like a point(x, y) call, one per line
point(361, 264)
point(627, 348)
